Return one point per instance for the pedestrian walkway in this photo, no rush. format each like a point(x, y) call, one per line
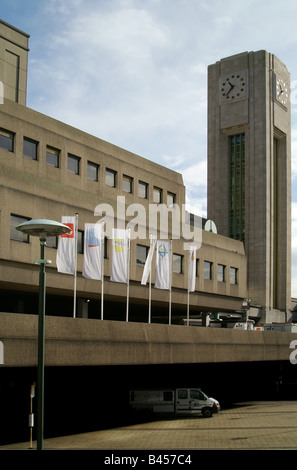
point(246, 426)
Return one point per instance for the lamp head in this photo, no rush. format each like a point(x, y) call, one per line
point(43, 228)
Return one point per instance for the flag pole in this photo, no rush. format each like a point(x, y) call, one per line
point(188, 308)
point(188, 296)
point(102, 273)
point(75, 268)
point(150, 297)
point(170, 280)
point(191, 277)
point(128, 276)
point(150, 282)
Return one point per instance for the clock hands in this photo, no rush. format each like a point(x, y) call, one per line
point(231, 88)
point(282, 92)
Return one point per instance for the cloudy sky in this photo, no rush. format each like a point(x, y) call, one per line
point(134, 72)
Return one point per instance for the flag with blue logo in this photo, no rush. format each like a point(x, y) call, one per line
point(93, 252)
point(163, 255)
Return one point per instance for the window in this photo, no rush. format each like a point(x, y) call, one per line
point(197, 395)
point(170, 199)
point(30, 148)
point(233, 276)
point(177, 263)
point(51, 242)
point(92, 171)
point(157, 195)
point(237, 186)
point(52, 156)
point(142, 189)
point(197, 267)
point(167, 396)
point(105, 247)
point(80, 241)
point(141, 254)
point(182, 394)
point(7, 140)
point(110, 178)
point(73, 164)
point(16, 235)
point(207, 270)
point(221, 273)
point(127, 184)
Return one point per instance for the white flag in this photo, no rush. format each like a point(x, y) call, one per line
point(120, 256)
point(148, 262)
point(192, 269)
point(163, 265)
point(66, 253)
point(93, 251)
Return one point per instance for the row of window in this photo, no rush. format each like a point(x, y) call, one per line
point(177, 266)
point(141, 253)
point(30, 150)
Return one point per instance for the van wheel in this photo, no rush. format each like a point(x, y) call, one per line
point(207, 413)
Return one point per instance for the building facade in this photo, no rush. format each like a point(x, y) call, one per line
point(249, 172)
point(14, 62)
point(49, 170)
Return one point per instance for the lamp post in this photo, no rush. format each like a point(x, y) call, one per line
point(41, 228)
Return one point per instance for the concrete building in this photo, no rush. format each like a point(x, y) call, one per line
point(249, 171)
point(14, 62)
point(48, 170)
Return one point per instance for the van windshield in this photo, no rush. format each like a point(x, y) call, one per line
point(197, 395)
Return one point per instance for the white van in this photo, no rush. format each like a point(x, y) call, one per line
point(180, 400)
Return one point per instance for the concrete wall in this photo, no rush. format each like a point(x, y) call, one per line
point(80, 342)
point(34, 189)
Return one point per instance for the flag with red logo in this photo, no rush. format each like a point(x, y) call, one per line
point(66, 253)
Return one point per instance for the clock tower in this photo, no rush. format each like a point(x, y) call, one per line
point(249, 171)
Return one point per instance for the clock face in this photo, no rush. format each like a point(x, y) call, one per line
point(282, 91)
point(233, 86)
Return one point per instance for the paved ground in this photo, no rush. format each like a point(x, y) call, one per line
point(248, 426)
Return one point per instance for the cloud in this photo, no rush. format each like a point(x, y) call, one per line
point(223, 21)
point(61, 7)
point(294, 249)
point(195, 180)
point(196, 175)
point(114, 73)
point(134, 72)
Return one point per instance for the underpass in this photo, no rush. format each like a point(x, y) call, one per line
point(90, 365)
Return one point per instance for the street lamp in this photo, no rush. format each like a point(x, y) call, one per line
point(41, 228)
